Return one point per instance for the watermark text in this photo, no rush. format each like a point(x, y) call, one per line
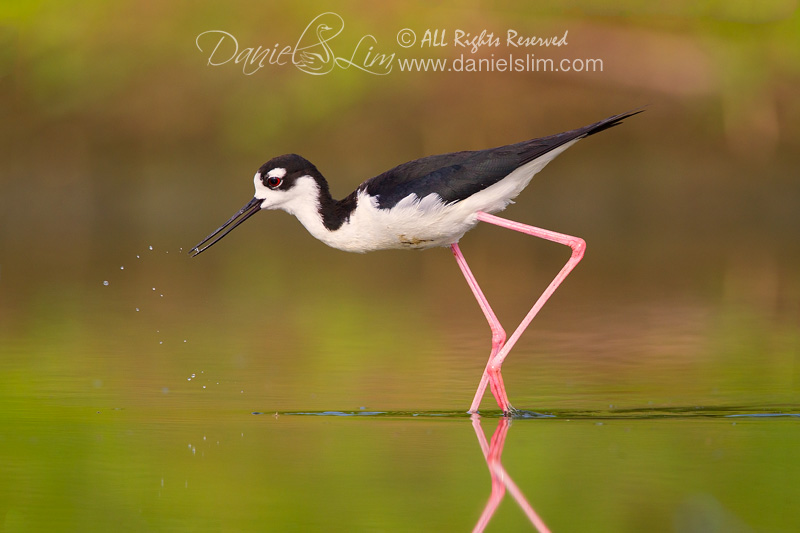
point(321, 49)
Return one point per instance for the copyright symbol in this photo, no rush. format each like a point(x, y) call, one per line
point(406, 37)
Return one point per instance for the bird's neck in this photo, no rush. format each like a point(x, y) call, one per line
point(333, 213)
point(316, 209)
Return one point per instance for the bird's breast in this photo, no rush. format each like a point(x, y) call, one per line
point(412, 223)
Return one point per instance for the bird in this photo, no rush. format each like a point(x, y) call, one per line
point(426, 203)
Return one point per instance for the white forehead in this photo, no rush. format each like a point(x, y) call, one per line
point(277, 172)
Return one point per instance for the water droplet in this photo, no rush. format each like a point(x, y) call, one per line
point(137, 256)
point(151, 247)
point(122, 268)
point(154, 288)
point(105, 283)
point(137, 309)
point(184, 340)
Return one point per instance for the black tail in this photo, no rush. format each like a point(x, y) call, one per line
point(538, 147)
point(610, 122)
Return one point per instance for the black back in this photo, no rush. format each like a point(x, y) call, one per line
point(454, 176)
point(458, 175)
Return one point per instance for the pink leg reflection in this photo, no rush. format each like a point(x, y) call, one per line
point(501, 481)
point(501, 347)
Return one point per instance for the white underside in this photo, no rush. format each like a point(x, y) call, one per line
point(412, 223)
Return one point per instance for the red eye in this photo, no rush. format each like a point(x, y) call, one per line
point(273, 182)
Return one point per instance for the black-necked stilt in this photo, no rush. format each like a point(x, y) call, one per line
point(421, 204)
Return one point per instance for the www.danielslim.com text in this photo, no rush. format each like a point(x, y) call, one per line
point(509, 63)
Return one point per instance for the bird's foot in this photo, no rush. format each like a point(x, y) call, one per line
point(511, 411)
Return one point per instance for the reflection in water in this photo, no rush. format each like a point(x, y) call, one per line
point(501, 481)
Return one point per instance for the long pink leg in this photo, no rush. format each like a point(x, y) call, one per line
point(498, 333)
point(492, 372)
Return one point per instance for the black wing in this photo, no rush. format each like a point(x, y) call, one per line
point(458, 175)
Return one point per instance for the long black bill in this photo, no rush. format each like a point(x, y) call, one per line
point(252, 207)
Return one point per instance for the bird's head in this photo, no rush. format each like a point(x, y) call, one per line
point(289, 182)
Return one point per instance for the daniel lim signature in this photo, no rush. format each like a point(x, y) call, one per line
point(313, 52)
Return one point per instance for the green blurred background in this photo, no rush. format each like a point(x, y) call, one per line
point(117, 136)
